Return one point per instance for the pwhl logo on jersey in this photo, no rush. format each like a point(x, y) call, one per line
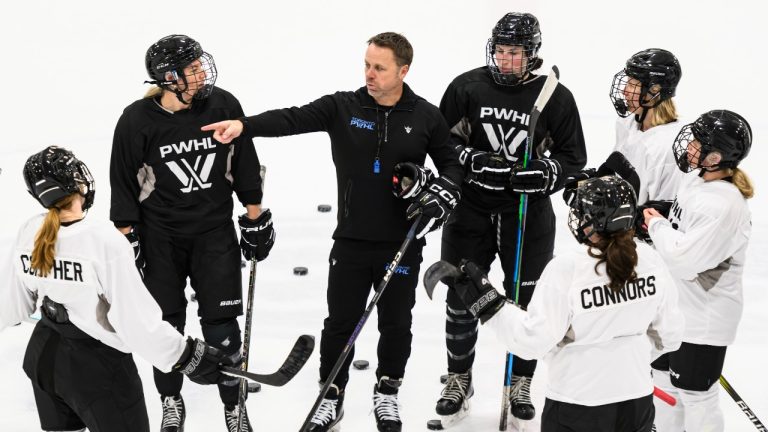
point(507, 140)
point(192, 176)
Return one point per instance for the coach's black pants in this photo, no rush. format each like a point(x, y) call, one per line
point(635, 415)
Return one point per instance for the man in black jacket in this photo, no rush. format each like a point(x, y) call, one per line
point(372, 130)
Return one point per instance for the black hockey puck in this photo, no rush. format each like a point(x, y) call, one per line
point(254, 387)
point(360, 364)
point(324, 208)
point(193, 297)
point(300, 271)
point(435, 425)
point(242, 263)
point(443, 379)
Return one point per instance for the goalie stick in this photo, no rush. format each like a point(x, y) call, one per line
point(296, 359)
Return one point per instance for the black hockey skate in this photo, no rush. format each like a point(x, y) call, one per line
point(385, 405)
point(520, 404)
point(453, 405)
point(173, 414)
point(230, 416)
point(329, 413)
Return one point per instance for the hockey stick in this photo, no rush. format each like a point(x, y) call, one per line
point(352, 338)
point(743, 405)
point(296, 359)
point(541, 101)
point(247, 331)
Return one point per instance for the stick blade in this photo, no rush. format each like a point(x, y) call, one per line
point(437, 272)
point(296, 360)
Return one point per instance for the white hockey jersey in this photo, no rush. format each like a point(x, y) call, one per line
point(650, 152)
point(704, 243)
point(599, 345)
point(95, 278)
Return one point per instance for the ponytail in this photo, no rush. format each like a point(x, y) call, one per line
point(44, 249)
point(741, 180)
point(619, 253)
point(153, 92)
point(663, 113)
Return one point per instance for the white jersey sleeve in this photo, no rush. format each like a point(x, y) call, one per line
point(17, 301)
point(667, 329)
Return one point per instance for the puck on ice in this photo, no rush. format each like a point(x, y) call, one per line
point(443, 379)
point(324, 208)
point(242, 263)
point(193, 297)
point(300, 271)
point(254, 387)
point(360, 364)
point(435, 425)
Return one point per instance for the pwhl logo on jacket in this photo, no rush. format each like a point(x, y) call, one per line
point(193, 177)
point(362, 124)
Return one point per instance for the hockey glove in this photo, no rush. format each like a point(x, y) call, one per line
point(618, 164)
point(435, 204)
point(488, 170)
point(476, 292)
point(201, 363)
point(542, 176)
point(256, 236)
point(571, 183)
point(408, 179)
point(641, 229)
point(138, 258)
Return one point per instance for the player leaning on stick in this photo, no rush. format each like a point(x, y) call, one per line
point(172, 196)
point(488, 111)
point(95, 310)
point(598, 317)
point(704, 241)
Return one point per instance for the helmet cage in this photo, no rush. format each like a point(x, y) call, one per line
point(530, 53)
point(166, 60)
point(603, 205)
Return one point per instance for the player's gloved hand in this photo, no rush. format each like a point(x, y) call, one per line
point(618, 164)
point(138, 257)
point(435, 204)
point(476, 292)
point(202, 362)
point(542, 176)
point(488, 170)
point(408, 179)
point(641, 229)
point(256, 236)
point(571, 183)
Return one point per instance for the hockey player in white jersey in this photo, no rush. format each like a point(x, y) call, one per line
point(598, 317)
point(642, 94)
point(703, 240)
point(95, 310)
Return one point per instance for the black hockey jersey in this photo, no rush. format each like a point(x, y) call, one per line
point(491, 117)
point(167, 173)
point(359, 130)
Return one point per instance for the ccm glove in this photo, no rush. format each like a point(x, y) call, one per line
point(542, 176)
point(138, 258)
point(476, 292)
point(201, 363)
point(408, 179)
point(256, 236)
point(434, 203)
point(488, 170)
point(641, 230)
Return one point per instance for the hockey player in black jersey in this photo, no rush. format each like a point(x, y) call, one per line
point(172, 197)
point(488, 111)
point(379, 131)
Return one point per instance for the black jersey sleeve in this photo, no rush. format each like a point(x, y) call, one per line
point(245, 166)
point(315, 116)
point(124, 168)
point(441, 151)
point(453, 106)
point(562, 135)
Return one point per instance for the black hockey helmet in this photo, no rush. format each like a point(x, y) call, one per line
point(166, 59)
point(55, 173)
point(723, 137)
point(516, 29)
point(603, 205)
point(658, 72)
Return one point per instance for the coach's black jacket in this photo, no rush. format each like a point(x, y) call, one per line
point(358, 128)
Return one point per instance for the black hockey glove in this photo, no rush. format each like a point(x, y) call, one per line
point(408, 179)
point(138, 258)
point(488, 170)
point(435, 204)
point(542, 176)
point(571, 183)
point(201, 363)
point(618, 164)
point(641, 230)
point(476, 292)
point(256, 236)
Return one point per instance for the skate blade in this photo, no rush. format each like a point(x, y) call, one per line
point(518, 424)
point(445, 422)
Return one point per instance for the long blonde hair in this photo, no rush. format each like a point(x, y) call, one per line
point(741, 180)
point(153, 92)
point(663, 113)
point(44, 249)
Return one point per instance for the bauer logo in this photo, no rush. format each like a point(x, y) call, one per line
point(230, 302)
point(362, 124)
